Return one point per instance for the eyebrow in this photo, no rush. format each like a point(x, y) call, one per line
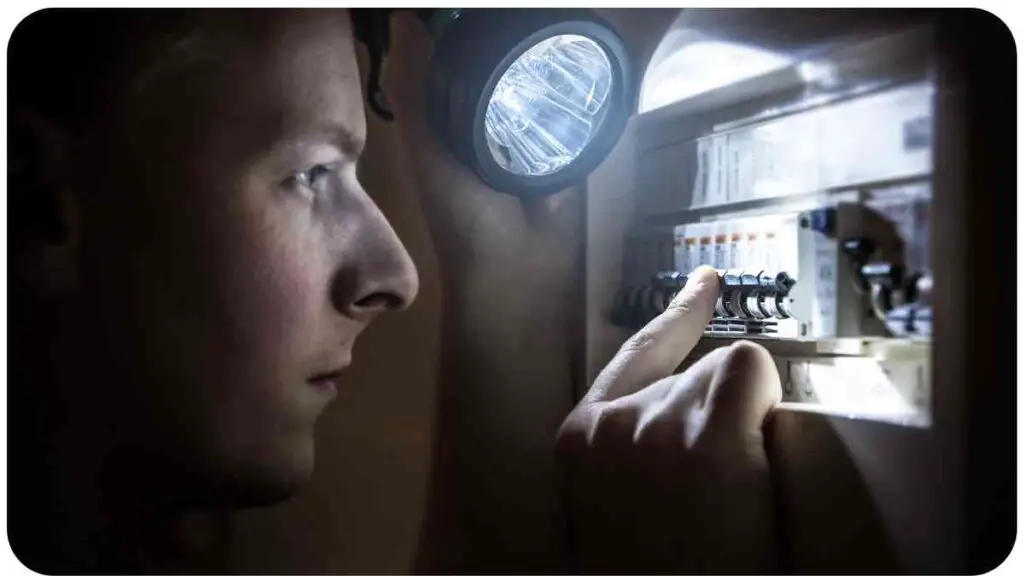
point(343, 136)
point(317, 131)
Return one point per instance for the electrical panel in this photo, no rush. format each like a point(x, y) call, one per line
point(814, 207)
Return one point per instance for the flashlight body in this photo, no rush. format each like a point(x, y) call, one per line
point(473, 50)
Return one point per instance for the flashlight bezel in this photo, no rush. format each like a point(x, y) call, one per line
point(473, 55)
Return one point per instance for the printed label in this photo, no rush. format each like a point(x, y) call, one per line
point(700, 183)
point(824, 312)
point(706, 255)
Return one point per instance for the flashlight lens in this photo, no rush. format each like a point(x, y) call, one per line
point(548, 105)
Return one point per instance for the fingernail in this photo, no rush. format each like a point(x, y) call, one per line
point(699, 280)
point(702, 276)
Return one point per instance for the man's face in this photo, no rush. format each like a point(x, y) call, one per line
point(229, 256)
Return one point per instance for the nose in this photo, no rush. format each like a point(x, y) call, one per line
point(377, 274)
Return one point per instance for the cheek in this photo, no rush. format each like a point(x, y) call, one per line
point(243, 363)
point(233, 294)
point(277, 280)
point(271, 289)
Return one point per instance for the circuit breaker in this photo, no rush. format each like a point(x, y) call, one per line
point(815, 210)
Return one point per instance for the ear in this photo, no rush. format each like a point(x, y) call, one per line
point(42, 215)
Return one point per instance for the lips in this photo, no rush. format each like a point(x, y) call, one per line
point(325, 384)
point(330, 377)
point(327, 381)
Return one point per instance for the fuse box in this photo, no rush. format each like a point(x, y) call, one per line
point(813, 203)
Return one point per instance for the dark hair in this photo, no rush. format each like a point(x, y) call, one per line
point(65, 65)
point(62, 62)
point(371, 27)
point(58, 64)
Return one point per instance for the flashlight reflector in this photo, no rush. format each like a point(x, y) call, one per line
point(548, 105)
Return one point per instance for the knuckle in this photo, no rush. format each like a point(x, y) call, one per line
point(573, 435)
point(612, 423)
point(658, 430)
point(746, 385)
point(745, 356)
point(744, 365)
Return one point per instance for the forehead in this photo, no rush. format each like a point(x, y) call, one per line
point(312, 59)
point(261, 75)
point(304, 71)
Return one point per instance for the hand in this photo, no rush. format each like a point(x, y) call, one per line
point(668, 473)
point(472, 224)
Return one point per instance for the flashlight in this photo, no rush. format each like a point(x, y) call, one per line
point(530, 100)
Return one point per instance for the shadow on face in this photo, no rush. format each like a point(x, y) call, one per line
point(218, 257)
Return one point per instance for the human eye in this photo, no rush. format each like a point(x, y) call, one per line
point(315, 180)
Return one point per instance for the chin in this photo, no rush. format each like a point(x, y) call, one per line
point(258, 482)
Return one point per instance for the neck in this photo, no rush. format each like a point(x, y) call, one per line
point(147, 534)
point(78, 501)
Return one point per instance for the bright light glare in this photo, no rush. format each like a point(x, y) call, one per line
point(702, 66)
point(821, 74)
point(861, 388)
point(548, 105)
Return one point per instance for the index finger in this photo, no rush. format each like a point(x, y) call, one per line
point(661, 346)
